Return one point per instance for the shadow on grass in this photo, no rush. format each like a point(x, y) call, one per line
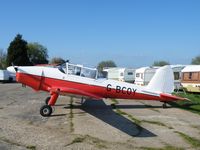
point(187, 106)
point(57, 115)
point(100, 110)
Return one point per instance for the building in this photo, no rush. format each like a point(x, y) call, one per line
point(191, 78)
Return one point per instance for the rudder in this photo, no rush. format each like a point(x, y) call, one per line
point(163, 80)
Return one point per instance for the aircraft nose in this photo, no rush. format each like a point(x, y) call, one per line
point(12, 69)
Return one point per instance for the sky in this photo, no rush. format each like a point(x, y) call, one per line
point(132, 33)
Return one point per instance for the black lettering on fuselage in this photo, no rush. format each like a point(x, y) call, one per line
point(118, 89)
point(129, 91)
point(109, 87)
point(134, 90)
point(123, 90)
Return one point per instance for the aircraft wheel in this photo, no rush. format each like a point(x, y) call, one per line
point(164, 105)
point(46, 111)
point(47, 100)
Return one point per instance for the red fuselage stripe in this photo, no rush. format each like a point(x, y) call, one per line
point(46, 83)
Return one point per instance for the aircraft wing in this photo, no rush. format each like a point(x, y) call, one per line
point(65, 90)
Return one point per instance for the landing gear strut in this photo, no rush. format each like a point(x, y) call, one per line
point(82, 100)
point(46, 110)
point(47, 100)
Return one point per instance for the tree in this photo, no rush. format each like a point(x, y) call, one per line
point(160, 63)
point(196, 60)
point(103, 64)
point(3, 56)
point(17, 52)
point(37, 53)
point(57, 60)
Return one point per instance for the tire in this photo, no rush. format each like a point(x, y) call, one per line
point(10, 79)
point(47, 100)
point(45, 111)
point(164, 106)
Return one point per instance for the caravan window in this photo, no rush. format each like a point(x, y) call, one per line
point(137, 75)
point(141, 75)
point(130, 73)
point(176, 76)
point(190, 75)
point(121, 74)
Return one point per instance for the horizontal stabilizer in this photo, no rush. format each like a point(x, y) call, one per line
point(172, 97)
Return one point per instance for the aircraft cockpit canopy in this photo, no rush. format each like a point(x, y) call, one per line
point(78, 70)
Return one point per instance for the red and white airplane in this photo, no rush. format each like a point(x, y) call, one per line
point(84, 82)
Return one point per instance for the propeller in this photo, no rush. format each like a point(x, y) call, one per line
point(67, 61)
point(15, 67)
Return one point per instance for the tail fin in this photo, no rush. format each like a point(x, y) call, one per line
point(162, 81)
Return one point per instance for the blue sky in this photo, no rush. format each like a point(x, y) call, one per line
point(133, 33)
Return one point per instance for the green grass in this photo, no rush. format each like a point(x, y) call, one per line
point(10, 142)
point(157, 123)
point(31, 147)
point(78, 140)
point(71, 115)
point(89, 139)
point(136, 121)
point(193, 105)
point(97, 142)
point(167, 147)
point(120, 112)
point(17, 144)
point(114, 101)
point(195, 143)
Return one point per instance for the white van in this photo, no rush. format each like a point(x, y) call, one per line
point(6, 76)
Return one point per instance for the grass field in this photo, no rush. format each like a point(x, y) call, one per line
point(193, 105)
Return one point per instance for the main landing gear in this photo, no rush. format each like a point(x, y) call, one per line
point(47, 100)
point(46, 110)
point(164, 105)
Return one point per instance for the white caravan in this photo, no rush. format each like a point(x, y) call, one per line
point(121, 74)
point(144, 75)
point(177, 75)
